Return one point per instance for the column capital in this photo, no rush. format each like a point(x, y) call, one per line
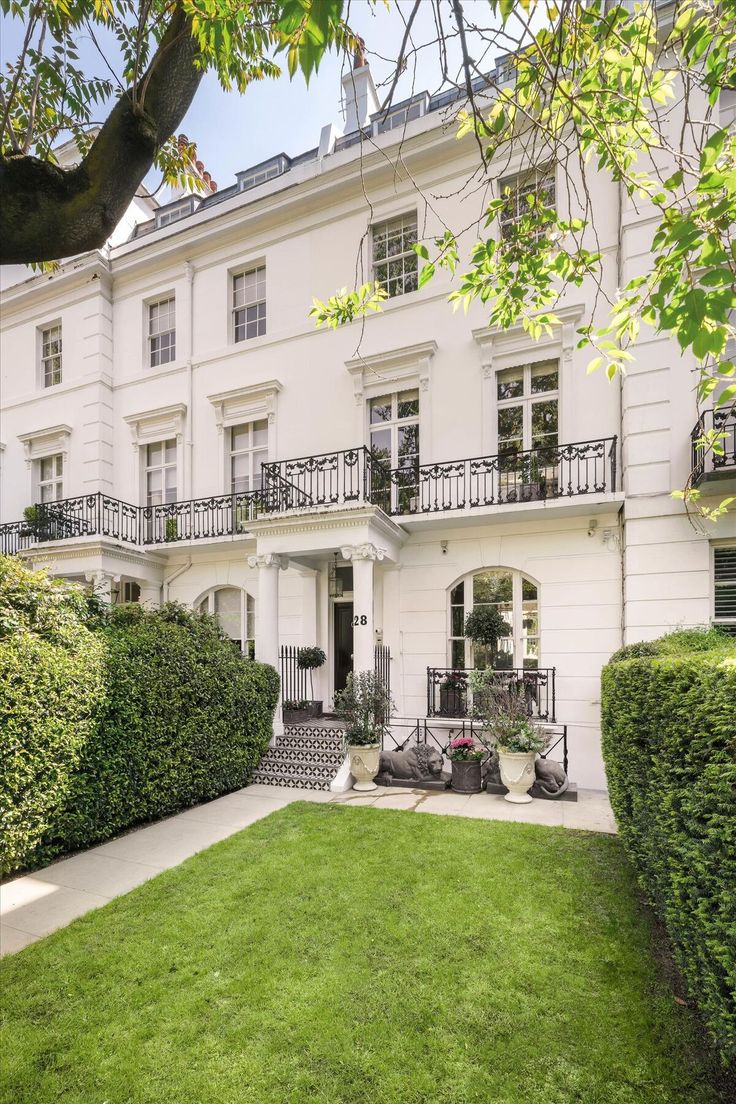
point(269, 559)
point(355, 552)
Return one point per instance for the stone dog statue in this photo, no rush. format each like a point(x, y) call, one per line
point(551, 777)
point(418, 763)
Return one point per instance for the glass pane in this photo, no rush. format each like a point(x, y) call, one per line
point(154, 454)
point(260, 432)
point(544, 377)
point(408, 404)
point(510, 384)
point(381, 444)
point(457, 620)
point(250, 617)
point(239, 437)
point(408, 444)
point(47, 467)
point(510, 427)
point(170, 479)
point(457, 653)
point(544, 422)
point(457, 594)
point(170, 447)
point(528, 590)
point(228, 609)
point(381, 409)
point(492, 586)
point(154, 481)
point(240, 466)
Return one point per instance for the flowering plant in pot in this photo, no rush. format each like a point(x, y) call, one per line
point(465, 756)
point(365, 705)
point(502, 710)
point(311, 659)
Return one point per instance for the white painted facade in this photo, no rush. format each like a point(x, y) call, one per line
point(617, 564)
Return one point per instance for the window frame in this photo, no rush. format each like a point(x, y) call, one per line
point(45, 358)
point(516, 181)
point(240, 273)
point(56, 480)
point(250, 451)
point(163, 467)
point(398, 488)
point(527, 400)
point(518, 636)
point(728, 624)
point(207, 603)
point(406, 254)
point(150, 306)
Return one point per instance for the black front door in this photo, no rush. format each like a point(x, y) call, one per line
point(343, 643)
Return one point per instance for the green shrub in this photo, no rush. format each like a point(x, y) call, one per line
point(112, 716)
point(186, 718)
point(669, 743)
point(51, 689)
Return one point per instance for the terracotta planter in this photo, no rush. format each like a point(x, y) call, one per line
point(364, 765)
point(466, 775)
point(517, 774)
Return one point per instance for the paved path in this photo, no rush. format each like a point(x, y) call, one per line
point(34, 905)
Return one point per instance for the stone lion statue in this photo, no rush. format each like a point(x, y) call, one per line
point(418, 763)
point(551, 777)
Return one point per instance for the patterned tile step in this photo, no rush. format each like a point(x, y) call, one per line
point(315, 732)
point(326, 757)
point(293, 767)
point(302, 745)
point(303, 782)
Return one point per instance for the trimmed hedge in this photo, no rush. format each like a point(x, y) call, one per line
point(669, 744)
point(139, 713)
point(51, 688)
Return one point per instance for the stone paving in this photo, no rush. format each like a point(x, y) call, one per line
point(34, 905)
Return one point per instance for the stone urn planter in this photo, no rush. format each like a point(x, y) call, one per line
point(517, 774)
point(364, 765)
point(466, 776)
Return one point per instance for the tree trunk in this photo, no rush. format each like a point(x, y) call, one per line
point(47, 213)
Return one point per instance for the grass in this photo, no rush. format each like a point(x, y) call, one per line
point(330, 954)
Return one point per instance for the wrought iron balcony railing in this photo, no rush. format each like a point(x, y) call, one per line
point(101, 515)
point(449, 694)
point(343, 477)
point(719, 460)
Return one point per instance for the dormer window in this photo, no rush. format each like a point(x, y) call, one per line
point(173, 212)
point(401, 114)
point(265, 170)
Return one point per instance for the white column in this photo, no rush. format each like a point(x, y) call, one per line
point(267, 611)
point(363, 557)
point(150, 595)
point(102, 583)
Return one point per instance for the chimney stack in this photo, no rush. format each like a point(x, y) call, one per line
point(359, 92)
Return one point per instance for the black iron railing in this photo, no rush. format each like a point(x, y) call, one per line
point(100, 515)
point(399, 736)
point(328, 479)
point(293, 678)
point(720, 458)
point(449, 694)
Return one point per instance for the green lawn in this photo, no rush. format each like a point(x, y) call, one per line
point(337, 954)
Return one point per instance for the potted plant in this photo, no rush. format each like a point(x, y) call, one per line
point(295, 712)
point(37, 523)
point(502, 710)
point(465, 756)
point(311, 659)
point(453, 694)
point(171, 529)
point(485, 625)
point(365, 705)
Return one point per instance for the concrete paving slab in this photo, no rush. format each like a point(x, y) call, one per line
point(55, 910)
point(12, 940)
point(167, 843)
point(102, 874)
point(233, 811)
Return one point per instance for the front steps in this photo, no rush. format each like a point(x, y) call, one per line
point(307, 756)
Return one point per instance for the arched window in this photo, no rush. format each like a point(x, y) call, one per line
point(517, 599)
point(235, 611)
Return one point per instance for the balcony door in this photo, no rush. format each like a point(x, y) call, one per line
point(527, 403)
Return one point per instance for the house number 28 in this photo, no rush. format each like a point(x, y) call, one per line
point(362, 620)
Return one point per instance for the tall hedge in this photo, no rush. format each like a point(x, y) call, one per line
point(51, 688)
point(110, 717)
point(669, 743)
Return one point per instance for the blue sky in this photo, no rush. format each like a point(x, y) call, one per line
point(233, 132)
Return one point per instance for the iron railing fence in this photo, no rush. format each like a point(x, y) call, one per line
point(327, 479)
point(532, 475)
point(400, 735)
point(449, 694)
point(294, 684)
point(709, 461)
point(99, 514)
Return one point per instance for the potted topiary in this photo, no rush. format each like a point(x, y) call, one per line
point(486, 625)
point(465, 756)
point(365, 705)
point(37, 523)
point(502, 710)
point(311, 659)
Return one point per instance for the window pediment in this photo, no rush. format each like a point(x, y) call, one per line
point(245, 404)
point(46, 442)
point(158, 424)
point(392, 370)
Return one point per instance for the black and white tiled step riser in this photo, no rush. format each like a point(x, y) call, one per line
point(305, 756)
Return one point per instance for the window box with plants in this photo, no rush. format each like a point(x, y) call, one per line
point(366, 706)
point(465, 755)
point(311, 659)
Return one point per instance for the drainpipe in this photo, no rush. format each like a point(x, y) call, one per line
point(189, 465)
point(620, 411)
point(168, 579)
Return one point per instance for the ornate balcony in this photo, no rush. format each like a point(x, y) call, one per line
point(718, 462)
point(448, 692)
point(343, 477)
